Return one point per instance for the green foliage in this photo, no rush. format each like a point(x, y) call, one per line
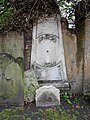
point(68, 9)
point(67, 97)
point(4, 17)
point(42, 114)
point(77, 100)
point(65, 116)
point(51, 114)
point(13, 114)
point(5, 12)
point(54, 114)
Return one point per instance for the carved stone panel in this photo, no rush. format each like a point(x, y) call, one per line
point(47, 56)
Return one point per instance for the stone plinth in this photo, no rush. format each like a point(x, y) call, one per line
point(47, 96)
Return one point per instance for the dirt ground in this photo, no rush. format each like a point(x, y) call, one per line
point(78, 106)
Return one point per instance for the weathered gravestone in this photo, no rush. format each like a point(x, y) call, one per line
point(48, 60)
point(11, 80)
point(47, 96)
point(11, 68)
point(47, 57)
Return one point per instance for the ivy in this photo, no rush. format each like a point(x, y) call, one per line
point(5, 17)
point(5, 12)
point(67, 8)
point(19, 14)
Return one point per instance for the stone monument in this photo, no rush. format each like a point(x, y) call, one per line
point(47, 96)
point(48, 60)
point(47, 57)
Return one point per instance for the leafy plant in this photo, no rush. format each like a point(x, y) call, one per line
point(68, 9)
point(60, 114)
point(65, 116)
point(13, 114)
point(5, 12)
point(42, 114)
point(51, 114)
point(67, 97)
point(78, 99)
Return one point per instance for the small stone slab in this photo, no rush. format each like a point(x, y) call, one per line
point(47, 96)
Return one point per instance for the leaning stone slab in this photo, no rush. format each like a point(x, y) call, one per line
point(31, 84)
point(47, 96)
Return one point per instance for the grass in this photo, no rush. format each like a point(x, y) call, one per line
point(71, 107)
point(46, 114)
point(13, 114)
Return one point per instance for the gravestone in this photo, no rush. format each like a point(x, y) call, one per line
point(47, 96)
point(48, 60)
point(11, 80)
point(47, 57)
point(11, 68)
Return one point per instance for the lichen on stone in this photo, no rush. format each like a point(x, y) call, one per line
point(31, 84)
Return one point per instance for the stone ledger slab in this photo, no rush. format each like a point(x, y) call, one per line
point(47, 96)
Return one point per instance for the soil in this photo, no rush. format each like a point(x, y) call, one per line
point(76, 105)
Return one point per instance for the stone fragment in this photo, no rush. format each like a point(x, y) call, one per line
point(47, 96)
point(31, 85)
